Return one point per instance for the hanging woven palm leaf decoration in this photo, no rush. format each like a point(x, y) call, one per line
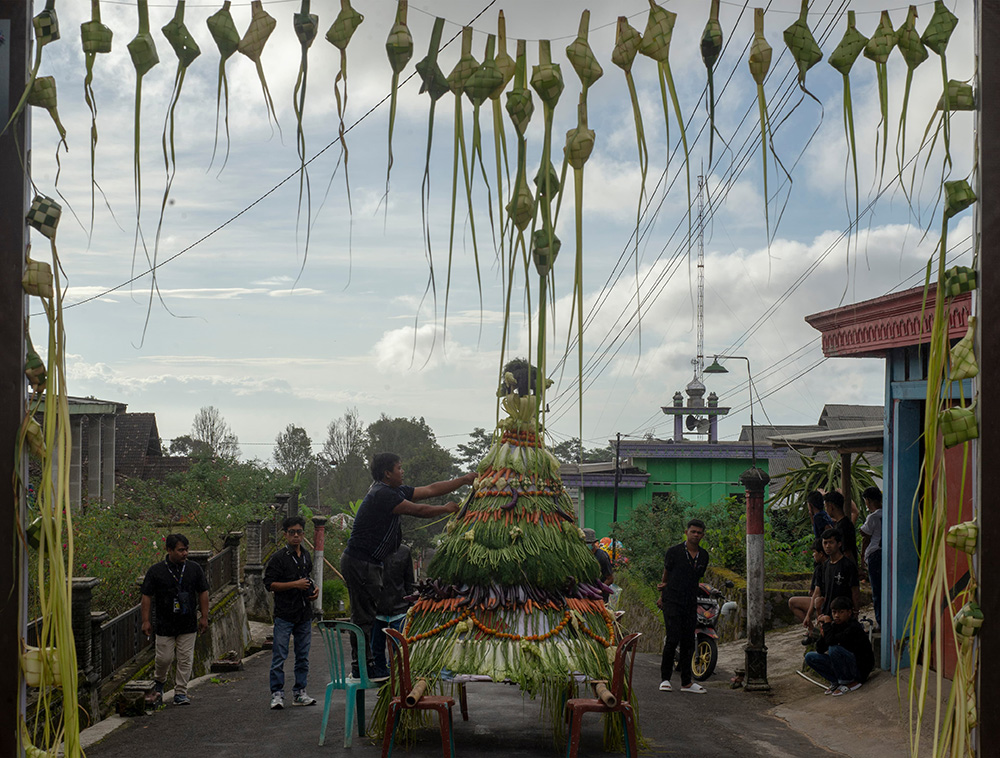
point(877, 50)
point(96, 39)
point(851, 45)
point(399, 48)
point(142, 51)
point(339, 35)
point(306, 27)
point(958, 196)
point(506, 66)
point(802, 45)
point(252, 46)
point(46, 25)
point(960, 96)
point(914, 53)
point(227, 39)
point(711, 48)
point(760, 63)
point(457, 79)
point(34, 367)
point(962, 358)
point(582, 57)
point(656, 45)
point(43, 95)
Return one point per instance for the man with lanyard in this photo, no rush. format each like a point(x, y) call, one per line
point(683, 567)
point(288, 575)
point(377, 534)
point(174, 585)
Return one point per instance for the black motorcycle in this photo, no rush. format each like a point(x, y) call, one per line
point(706, 647)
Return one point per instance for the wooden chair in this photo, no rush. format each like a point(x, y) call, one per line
point(622, 674)
point(399, 668)
point(338, 648)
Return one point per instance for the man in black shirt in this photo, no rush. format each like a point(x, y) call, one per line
point(377, 533)
point(607, 573)
point(842, 522)
point(683, 567)
point(173, 587)
point(289, 576)
point(840, 575)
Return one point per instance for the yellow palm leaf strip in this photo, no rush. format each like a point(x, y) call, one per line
point(261, 26)
point(478, 89)
point(186, 50)
point(95, 38)
point(435, 84)
point(760, 63)
point(579, 146)
point(339, 35)
point(914, 53)
point(656, 44)
point(227, 39)
point(46, 26)
point(711, 48)
point(842, 59)
point(464, 68)
point(142, 51)
point(882, 41)
point(306, 26)
point(547, 81)
point(399, 49)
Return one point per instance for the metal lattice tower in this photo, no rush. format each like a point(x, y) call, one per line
point(700, 367)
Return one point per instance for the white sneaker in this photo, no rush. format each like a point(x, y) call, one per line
point(301, 698)
point(277, 701)
point(665, 686)
point(695, 688)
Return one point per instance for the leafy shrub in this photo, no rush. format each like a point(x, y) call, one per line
point(334, 591)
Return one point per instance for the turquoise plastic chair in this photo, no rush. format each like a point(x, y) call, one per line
point(338, 649)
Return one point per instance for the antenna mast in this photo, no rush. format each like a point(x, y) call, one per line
point(700, 367)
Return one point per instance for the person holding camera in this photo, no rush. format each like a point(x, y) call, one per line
point(175, 585)
point(288, 575)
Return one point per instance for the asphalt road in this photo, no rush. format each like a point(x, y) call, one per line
point(230, 718)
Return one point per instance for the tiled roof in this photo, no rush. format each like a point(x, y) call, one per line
point(136, 437)
point(851, 416)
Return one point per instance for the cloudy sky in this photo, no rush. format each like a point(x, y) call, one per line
point(244, 320)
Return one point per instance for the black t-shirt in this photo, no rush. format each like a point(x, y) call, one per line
point(376, 533)
point(605, 562)
point(817, 578)
point(852, 637)
point(821, 522)
point(838, 579)
point(683, 575)
point(174, 588)
point(849, 538)
point(285, 566)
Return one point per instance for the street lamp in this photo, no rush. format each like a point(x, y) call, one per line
point(754, 480)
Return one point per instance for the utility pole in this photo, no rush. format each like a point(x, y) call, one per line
point(15, 26)
point(614, 514)
point(700, 366)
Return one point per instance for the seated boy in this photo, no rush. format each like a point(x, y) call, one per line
point(843, 654)
point(804, 608)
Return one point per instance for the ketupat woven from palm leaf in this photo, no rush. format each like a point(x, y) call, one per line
point(582, 57)
point(43, 95)
point(142, 51)
point(227, 39)
point(759, 63)
point(801, 43)
point(914, 53)
point(843, 57)
point(878, 49)
point(399, 49)
point(96, 38)
point(306, 26)
point(520, 106)
point(506, 66)
point(968, 621)
point(34, 367)
point(479, 88)
point(37, 278)
point(959, 97)
point(46, 26)
point(711, 48)
point(958, 425)
point(958, 196)
point(935, 38)
point(261, 26)
point(964, 536)
point(962, 360)
point(514, 592)
point(959, 279)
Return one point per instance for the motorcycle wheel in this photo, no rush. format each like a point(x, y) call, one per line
point(706, 656)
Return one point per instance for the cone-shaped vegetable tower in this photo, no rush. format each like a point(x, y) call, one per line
point(515, 591)
point(842, 59)
point(877, 50)
point(227, 39)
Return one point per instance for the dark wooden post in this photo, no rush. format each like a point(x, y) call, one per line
point(15, 25)
point(989, 377)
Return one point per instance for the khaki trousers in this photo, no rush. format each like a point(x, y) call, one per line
point(181, 647)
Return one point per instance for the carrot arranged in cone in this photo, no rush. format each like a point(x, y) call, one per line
point(877, 50)
point(227, 40)
point(96, 39)
point(262, 24)
point(399, 48)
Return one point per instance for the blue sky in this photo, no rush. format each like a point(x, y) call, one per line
point(235, 330)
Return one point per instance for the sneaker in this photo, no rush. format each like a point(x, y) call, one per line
point(277, 701)
point(852, 686)
point(379, 675)
point(665, 686)
point(842, 689)
point(301, 698)
point(158, 687)
point(830, 690)
point(181, 698)
point(694, 687)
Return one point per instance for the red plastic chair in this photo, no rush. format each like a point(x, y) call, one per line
point(399, 668)
point(622, 673)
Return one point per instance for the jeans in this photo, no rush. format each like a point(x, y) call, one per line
point(875, 577)
point(378, 641)
point(838, 665)
point(302, 633)
point(680, 626)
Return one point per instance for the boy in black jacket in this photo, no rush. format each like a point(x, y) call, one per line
point(843, 655)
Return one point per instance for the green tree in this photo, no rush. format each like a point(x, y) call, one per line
point(211, 429)
point(568, 451)
point(346, 451)
point(479, 444)
point(185, 445)
point(822, 472)
point(293, 450)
